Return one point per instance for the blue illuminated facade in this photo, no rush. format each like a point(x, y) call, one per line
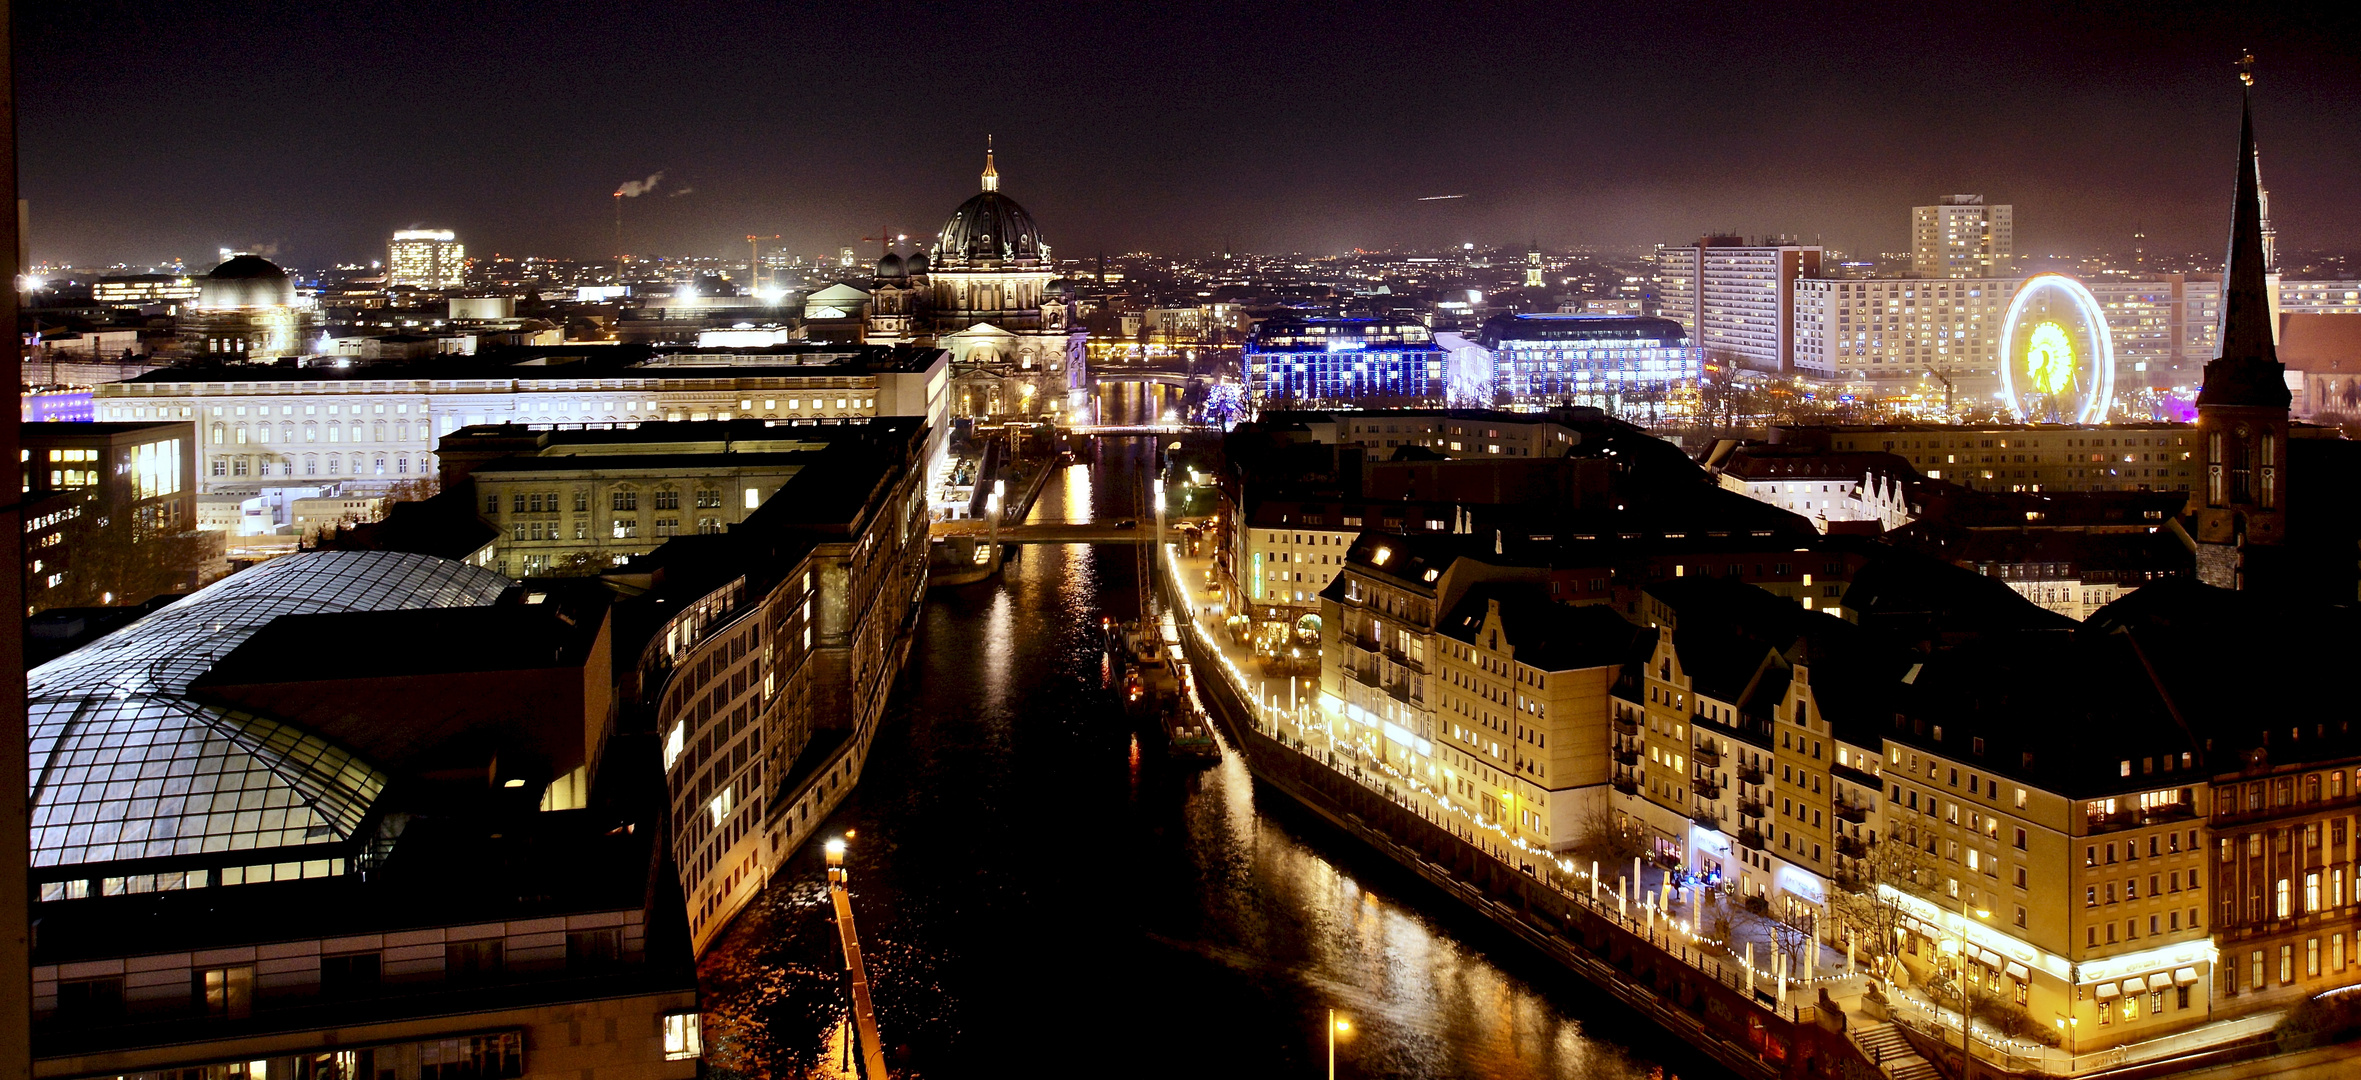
point(1542, 360)
point(1345, 361)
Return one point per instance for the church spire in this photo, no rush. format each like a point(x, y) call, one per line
point(2246, 368)
point(991, 175)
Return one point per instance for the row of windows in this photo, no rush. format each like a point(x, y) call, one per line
point(224, 434)
point(227, 992)
point(316, 465)
point(619, 529)
point(549, 503)
point(2312, 961)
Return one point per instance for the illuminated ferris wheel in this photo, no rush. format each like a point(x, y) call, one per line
point(2057, 360)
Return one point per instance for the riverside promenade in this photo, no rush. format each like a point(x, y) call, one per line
point(1647, 955)
point(1650, 954)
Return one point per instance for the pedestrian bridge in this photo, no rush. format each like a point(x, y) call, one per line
point(1107, 531)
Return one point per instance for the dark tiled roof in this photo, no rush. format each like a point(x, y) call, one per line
point(1546, 635)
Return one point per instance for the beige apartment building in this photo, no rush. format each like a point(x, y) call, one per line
point(2026, 457)
point(1522, 695)
point(583, 500)
point(1961, 236)
point(1736, 777)
point(2087, 912)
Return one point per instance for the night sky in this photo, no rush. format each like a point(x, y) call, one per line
point(310, 130)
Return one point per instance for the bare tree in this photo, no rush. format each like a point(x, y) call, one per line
point(1607, 836)
point(116, 562)
point(1859, 906)
point(416, 489)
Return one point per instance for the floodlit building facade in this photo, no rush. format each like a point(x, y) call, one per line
point(1344, 361)
point(575, 500)
point(248, 308)
point(1545, 360)
point(425, 259)
point(377, 425)
point(1736, 299)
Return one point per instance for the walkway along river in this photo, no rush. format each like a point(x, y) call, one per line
point(1041, 894)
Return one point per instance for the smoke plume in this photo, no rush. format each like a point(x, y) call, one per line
point(633, 189)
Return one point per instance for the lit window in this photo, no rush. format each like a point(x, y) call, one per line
point(684, 1036)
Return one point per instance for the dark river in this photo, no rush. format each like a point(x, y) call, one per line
point(1040, 894)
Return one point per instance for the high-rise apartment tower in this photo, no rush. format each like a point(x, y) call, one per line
point(1962, 237)
point(425, 259)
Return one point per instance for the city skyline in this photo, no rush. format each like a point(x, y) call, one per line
point(1270, 132)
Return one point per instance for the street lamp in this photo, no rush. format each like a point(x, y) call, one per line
point(1335, 1027)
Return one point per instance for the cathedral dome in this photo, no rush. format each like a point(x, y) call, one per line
point(916, 264)
point(986, 230)
point(890, 266)
point(246, 281)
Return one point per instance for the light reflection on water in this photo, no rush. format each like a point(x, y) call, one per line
point(1036, 887)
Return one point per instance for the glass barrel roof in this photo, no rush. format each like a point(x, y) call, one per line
point(126, 766)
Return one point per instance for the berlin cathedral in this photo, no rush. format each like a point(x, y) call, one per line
point(988, 294)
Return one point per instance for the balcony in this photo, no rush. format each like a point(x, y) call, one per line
point(1627, 755)
point(1706, 821)
point(1704, 754)
point(1705, 787)
point(1626, 784)
point(1751, 807)
point(1750, 774)
point(1852, 811)
point(1850, 882)
point(1366, 676)
point(1625, 725)
point(1751, 837)
point(1400, 690)
point(1852, 847)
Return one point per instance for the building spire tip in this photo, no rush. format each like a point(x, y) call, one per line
point(991, 174)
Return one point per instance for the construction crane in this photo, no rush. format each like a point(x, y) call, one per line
point(885, 239)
